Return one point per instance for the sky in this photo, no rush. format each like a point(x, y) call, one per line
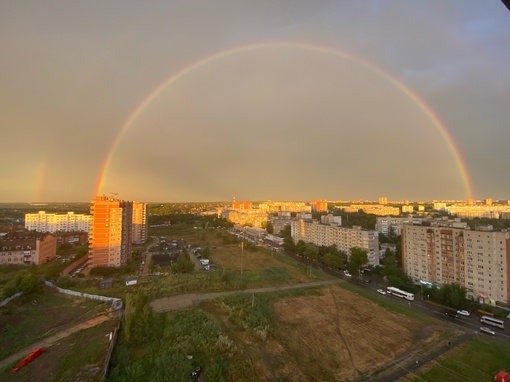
point(174, 101)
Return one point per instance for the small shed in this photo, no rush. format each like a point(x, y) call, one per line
point(106, 283)
point(131, 281)
point(502, 376)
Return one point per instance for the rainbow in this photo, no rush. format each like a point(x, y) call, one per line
point(311, 47)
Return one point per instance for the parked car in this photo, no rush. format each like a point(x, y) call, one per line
point(463, 313)
point(452, 314)
point(347, 274)
point(487, 330)
point(381, 291)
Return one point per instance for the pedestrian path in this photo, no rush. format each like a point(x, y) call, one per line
point(181, 301)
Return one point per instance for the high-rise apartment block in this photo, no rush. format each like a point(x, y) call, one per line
point(478, 260)
point(70, 222)
point(383, 200)
point(111, 230)
point(319, 205)
point(311, 231)
point(140, 223)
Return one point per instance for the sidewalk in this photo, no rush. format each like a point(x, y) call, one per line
point(47, 342)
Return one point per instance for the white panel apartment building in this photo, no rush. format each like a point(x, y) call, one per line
point(70, 222)
point(311, 231)
point(477, 260)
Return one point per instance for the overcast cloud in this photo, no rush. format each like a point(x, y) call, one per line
point(286, 119)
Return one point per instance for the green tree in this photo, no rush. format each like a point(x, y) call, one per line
point(358, 259)
point(205, 252)
point(333, 261)
point(453, 295)
point(270, 228)
point(311, 252)
point(183, 263)
point(300, 247)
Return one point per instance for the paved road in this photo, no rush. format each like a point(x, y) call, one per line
point(186, 300)
point(47, 342)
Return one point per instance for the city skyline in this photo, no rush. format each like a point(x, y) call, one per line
point(284, 101)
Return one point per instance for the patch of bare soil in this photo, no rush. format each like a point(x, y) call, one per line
point(337, 336)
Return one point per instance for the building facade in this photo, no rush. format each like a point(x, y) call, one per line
point(111, 232)
point(140, 223)
point(27, 247)
point(311, 231)
point(70, 222)
point(478, 260)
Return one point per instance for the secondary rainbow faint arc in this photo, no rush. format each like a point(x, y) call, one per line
point(316, 48)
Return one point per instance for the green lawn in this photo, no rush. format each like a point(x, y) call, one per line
point(477, 360)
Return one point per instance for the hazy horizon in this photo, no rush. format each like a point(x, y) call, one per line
point(260, 101)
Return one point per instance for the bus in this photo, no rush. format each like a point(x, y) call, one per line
point(493, 321)
point(400, 293)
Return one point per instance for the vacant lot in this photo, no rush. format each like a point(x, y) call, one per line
point(334, 336)
point(79, 357)
point(29, 318)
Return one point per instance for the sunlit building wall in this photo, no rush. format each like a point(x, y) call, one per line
point(110, 236)
point(311, 231)
point(43, 222)
point(407, 209)
point(140, 223)
point(374, 209)
point(319, 205)
point(479, 260)
point(254, 218)
point(272, 207)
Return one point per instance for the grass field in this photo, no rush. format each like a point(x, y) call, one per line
point(477, 360)
point(79, 357)
point(30, 318)
point(307, 334)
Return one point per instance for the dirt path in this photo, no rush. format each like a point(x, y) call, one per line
point(166, 304)
point(47, 342)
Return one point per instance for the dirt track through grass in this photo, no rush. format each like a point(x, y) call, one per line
point(182, 301)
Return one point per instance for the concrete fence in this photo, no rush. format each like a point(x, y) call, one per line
point(9, 299)
point(113, 342)
point(81, 294)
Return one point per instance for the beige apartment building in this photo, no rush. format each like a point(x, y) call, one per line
point(140, 223)
point(476, 259)
point(374, 209)
point(311, 231)
point(27, 247)
point(111, 232)
point(272, 207)
point(70, 222)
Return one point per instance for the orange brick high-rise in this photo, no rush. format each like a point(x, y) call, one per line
point(111, 232)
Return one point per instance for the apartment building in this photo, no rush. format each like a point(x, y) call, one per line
point(311, 231)
point(387, 224)
point(111, 232)
point(374, 209)
point(255, 218)
point(26, 247)
point(479, 260)
point(272, 207)
point(319, 205)
point(70, 222)
point(140, 223)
